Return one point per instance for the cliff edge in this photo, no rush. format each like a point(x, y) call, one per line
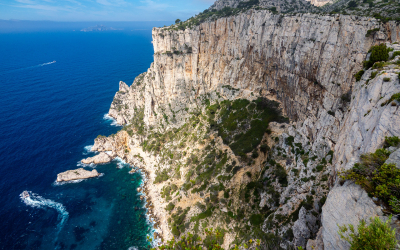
point(243, 123)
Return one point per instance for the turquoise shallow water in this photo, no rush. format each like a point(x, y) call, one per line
point(50, 112)
point(101, 213)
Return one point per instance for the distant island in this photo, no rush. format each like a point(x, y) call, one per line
point(98, 28)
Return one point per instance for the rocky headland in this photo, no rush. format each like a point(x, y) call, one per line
point(244, 123)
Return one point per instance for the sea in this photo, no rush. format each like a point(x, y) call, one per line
point(56, 89)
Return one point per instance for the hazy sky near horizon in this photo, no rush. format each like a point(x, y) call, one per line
point(101, 10)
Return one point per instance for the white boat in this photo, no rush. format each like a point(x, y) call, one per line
point(25, 194)
point(53, 61)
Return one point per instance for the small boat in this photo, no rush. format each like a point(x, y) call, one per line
point(53, 61)
point(25, 194)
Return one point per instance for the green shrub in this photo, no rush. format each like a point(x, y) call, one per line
point(378, 235)
point(170, 206)
point(253, 118)
point(289, 140)
point(359, 74)
point(395, 97)
point(379, 53)
point(391, 141)
point(226, 194)
point(202, 215)
point(319, 168)
point(161, 176)
point(376, 177)
point(177, 220)
point(352, 4)
point(386, 79)
point(264, 148)
point(370, 32)
point(254, 154)
point(281, 175)
point(308, 203)
point(256, 219)
point(175, 231)
point(346, 97)
point(396, 53)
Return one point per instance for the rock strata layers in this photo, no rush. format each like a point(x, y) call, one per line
point(76, 174)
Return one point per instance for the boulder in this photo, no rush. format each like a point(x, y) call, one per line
point(76, 174)
point(394, 158)
point(347, 204)
point(304, 228)
point(98, 159)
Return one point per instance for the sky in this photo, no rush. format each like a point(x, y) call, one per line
point(101, 10)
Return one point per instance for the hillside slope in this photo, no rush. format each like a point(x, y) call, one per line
point(243, 123)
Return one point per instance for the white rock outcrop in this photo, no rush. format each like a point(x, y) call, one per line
point(98, 159)
point(347, 204)
point(394, 158)
point(76, 174)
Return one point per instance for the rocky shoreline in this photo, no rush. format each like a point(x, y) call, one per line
point(155, 208)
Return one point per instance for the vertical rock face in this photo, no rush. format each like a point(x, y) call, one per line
point(307, 63)
point(368, 119)
point(347, 204)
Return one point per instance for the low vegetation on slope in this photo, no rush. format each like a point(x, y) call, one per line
point(385, 10)
point(378, 235)
point(223, 169)
point(379, 179)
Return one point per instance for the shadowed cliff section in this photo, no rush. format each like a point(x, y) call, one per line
point(295, 59)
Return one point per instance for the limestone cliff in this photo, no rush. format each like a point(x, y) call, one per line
point(177, 124)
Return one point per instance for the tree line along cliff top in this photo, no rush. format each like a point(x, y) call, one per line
point(384, 10)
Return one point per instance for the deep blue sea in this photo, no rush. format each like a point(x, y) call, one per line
point(49, 113)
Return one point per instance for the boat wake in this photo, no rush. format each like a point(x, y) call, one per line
point(37, 201)
point(30, 67)
point(43, 64)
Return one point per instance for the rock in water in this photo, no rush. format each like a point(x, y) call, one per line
point(76, 174)
point(98, 159)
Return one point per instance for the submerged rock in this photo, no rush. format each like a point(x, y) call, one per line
point(76, 174)
point(98, 159)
